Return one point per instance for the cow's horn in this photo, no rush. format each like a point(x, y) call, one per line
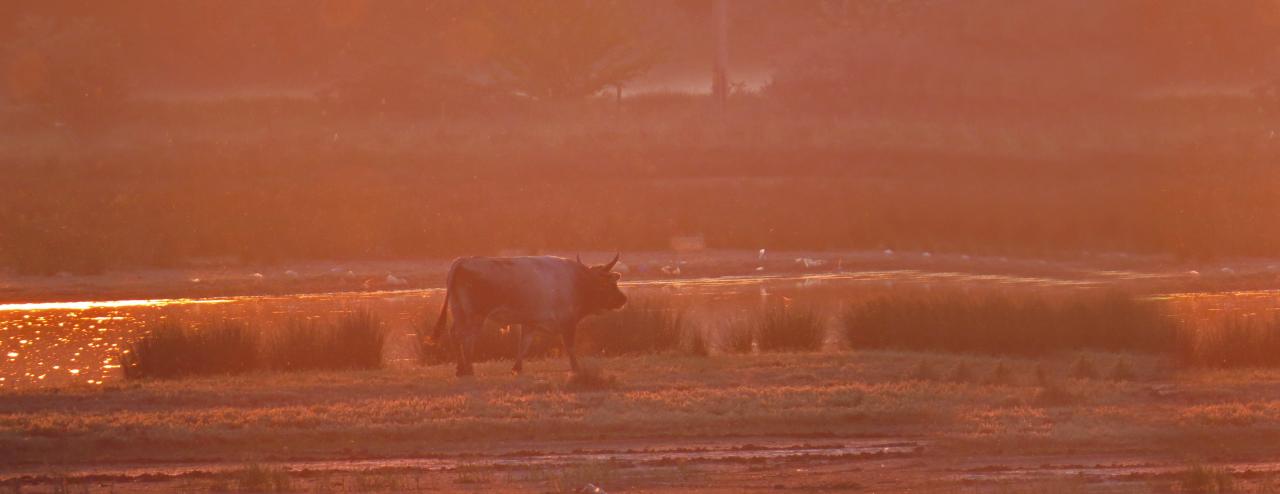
point(614, 261)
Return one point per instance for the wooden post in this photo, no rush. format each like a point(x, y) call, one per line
point(720, 67)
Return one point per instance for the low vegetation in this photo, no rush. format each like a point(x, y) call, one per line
point(172, 349)
point(787, 327)
point(1232, 342)
point(651, 324)
point(354, 342)
point(646, 325)
point(1007, 324)
point(995, 323)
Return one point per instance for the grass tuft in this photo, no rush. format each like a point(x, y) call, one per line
point(789, 328)
point(171, 350)
point(1006, 324)
point(1201, 479)
point(1000, 375)
point(589, 378)
point(1083, 368)
point(258, 478)
point(1235, 342)
point(354, 342)
point(961, 373)
point(645, 325)
point(923, 371)
point(1121, 371)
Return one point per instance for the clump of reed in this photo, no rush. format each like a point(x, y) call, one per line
point(646, 325)
point(354, 342)
point(1232, 342)
point(172, 349)
point(774, 328)
point(790, 328)
point(1007, 324)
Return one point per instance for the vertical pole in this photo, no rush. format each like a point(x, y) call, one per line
point(719, 71)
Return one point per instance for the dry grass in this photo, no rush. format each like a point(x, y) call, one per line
point(1233, 342)
point(651, 324)
point(400, 411)
point(172, 350)
point(1008, 323)
point(354, 342)
point(790, 328)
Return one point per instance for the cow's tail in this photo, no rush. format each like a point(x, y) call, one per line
point(444, 308)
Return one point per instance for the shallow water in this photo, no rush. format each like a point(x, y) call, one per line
point(80, 342)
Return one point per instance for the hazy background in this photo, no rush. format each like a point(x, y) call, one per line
point(156, 133)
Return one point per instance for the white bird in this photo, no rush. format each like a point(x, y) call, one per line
point(257, 276)
point(760, 256)
point(888, 252)
point(759, 268)
point(671, 270)
point(394, 280)
point(926, 254)
point(1193, 273)
point(810, 263)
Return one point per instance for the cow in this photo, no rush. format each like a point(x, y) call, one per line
point(537, 293)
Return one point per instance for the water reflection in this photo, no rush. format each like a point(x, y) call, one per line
point(80, 342)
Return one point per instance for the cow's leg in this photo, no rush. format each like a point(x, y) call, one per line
point(524, 339)
point(566, 337)
point(466, 334)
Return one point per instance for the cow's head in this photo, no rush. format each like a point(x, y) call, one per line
point(600, 287)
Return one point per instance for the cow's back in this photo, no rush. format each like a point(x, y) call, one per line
point(532, 289)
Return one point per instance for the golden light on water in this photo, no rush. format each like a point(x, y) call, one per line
point(109, 304)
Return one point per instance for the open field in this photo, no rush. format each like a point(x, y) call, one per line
point(967, 430)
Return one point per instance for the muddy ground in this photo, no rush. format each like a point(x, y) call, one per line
point(833, 421)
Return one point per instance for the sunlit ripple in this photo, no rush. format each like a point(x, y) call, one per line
point(110, 304)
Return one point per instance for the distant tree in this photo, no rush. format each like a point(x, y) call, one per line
point(66, 70)
point(564, 49)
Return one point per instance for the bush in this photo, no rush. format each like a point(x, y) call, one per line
point(171, 350)
point(355, 342)
point(790, 328)
point(1007, 324)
